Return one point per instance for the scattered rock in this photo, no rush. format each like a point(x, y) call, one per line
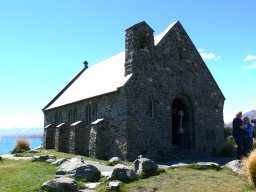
point(123, 173)
point(174, 166)
point(145, 166)
point(58, 162)
point(15, 151)
point(34, 151)
point(86, 190)
point(106, 173)
point(40, 158)
point(50, 161)
point(114, 160)
point(52, 157)
point(235, 166)
point(208, 165)
point(77, 168)
point(61, 184)
point(113, 185)
point(92, 185)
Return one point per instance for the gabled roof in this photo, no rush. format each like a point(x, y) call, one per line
point(101, 78)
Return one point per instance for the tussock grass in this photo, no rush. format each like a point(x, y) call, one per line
point(249, 165)
point(21, 145)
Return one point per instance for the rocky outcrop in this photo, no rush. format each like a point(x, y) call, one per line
point(77, 168)
point(61, 184)
point(123, 173)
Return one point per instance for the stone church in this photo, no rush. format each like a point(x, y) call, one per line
point(157, 98)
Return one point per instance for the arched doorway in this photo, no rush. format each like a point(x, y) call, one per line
point(182, 116)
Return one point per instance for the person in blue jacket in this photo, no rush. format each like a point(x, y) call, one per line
point(238, 134)
point(248, 136)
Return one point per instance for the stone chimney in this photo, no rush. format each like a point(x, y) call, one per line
point(139, 39)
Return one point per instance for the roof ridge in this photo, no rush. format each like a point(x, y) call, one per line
point(161, 35)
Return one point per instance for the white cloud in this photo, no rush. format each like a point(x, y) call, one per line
point(217, 58)
point(249, 58)
point(208, 56)
point(252, 66)
point(200, 50)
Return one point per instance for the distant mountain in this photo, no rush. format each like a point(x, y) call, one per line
point(251, 114)
point(21, 132)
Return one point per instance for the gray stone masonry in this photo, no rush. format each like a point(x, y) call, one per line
point(143, 116)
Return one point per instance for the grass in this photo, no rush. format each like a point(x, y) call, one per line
point(187, 179)
point(58, 155)
point(24, 176)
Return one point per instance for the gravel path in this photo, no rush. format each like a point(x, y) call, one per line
point(11, 156)
point(220, 160)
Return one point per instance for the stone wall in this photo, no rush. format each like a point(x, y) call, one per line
point(172, 70)
point(111, 136)
point(139, 118)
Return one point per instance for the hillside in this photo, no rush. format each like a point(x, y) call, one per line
point(251, 114)
point(21, 132)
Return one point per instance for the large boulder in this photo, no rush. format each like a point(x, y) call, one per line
point(145, 166)
point(63, 184)
point(235, 166)
point(123, 173)
point(77, 168)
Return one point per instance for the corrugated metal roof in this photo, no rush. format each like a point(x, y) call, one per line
point(104, 77)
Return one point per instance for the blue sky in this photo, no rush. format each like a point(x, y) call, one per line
point(43, 45)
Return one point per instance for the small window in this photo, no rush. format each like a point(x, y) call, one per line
point(58, 118)
point(91, 113)
point(152, 109)
point(70, 117)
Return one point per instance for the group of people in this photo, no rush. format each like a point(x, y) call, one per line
point(243, 135)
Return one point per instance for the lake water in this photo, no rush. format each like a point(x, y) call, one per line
point(8, 143)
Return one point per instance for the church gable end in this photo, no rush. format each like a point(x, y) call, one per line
point(136, 102)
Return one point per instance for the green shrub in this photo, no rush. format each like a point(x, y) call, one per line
point(227, 132)
point(22, 145)
point(229, 147)
point(249, 166)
